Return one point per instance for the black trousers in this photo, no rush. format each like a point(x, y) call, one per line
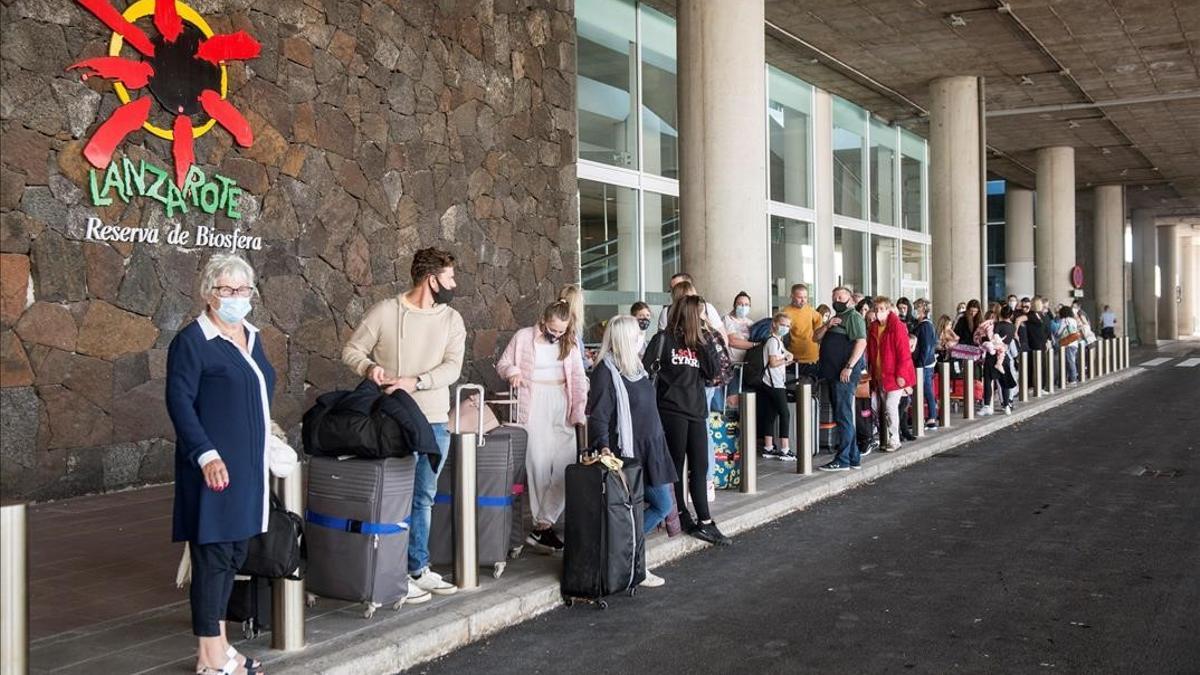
point(774, 407)
point(688, 440)
point(213, 568)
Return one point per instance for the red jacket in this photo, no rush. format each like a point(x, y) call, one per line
point(889, 355)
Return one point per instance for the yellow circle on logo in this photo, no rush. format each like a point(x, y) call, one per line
point(144, 8)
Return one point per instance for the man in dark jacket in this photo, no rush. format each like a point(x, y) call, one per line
point(925, 356)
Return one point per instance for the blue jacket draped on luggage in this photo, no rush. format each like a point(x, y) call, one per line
point(215, 400)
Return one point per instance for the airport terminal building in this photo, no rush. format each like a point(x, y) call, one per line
point(752, 143)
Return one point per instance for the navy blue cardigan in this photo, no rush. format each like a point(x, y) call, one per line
point(214, 401)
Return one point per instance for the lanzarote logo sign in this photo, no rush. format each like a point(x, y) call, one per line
point(182, 68)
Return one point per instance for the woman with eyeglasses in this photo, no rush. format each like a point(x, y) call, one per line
point(544, 369)
point(218, 395)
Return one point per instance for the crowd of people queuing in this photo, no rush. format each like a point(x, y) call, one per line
point(647, 394)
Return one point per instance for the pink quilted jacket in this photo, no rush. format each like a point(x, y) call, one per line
point(519, 358)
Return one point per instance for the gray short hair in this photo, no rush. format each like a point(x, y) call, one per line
point(222, 264)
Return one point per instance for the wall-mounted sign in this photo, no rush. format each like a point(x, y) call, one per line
point(1077, 277)
point(183, 69)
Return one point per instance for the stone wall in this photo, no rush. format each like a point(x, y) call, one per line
point(380, 126)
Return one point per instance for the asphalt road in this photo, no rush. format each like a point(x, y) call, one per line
point(1050, 548)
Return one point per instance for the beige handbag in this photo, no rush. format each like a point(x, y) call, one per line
point(465, 416)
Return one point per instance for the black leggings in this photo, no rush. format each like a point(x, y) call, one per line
point(688, 439)
point(774, 406)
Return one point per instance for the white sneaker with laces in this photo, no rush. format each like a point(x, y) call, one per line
point(432, 582)
point(984, 411)
point(653, 580)
point(1008, 410)
point(416, 594)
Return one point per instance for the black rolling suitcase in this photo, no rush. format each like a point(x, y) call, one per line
point(605, 550)
point(250, 605)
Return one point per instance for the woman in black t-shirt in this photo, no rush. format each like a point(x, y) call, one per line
point(681, 359)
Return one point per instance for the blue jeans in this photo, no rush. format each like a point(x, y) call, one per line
point(1072, 353)
point(842, 394)
point(929, 397)
point(424, 489)
point(658, 505)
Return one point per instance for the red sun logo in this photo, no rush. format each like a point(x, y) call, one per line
point(183, 67)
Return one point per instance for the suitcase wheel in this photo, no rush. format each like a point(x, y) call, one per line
point(602, 604)
point(370, 610)
point(249, 630)
point(397, 605)
point(633, 591)
point(498, 569)
point(515, 552)
point(310, 600)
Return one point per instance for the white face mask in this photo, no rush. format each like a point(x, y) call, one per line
point(233, 310)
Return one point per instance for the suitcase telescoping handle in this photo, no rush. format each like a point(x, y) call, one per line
point(458, 403)
point(513, 402)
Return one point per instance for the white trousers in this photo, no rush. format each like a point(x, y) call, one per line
point(551, 450)
point(890, 400)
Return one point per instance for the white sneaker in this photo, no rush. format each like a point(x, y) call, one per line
point(712, 492)
point(984, 411)
point(653, 580)
point(416, 594)
point(432, 582)
point(1008, 410)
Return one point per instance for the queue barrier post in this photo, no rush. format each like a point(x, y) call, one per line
point(1023, 384)
point(14, 589)
point(1094, 363)
point(918, 409)
point(1127, 354)
point(1062, 367)
point(464, 448)
point(1039, 373)
point(748, 419)
point(944, 394)
point(969, 389)
point(806, 428)
point(287, 595)
point(1052, 356)
point(1082, 369)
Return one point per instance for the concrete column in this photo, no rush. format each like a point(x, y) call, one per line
point(954, 190)
point(1018, 241)
point(822, 145)
point(722, 153)
point(1145, 276)
point(1055, 252)
point(1168, 281)
point(1108, 233)
point(1187, 282)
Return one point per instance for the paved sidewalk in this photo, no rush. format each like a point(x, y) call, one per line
point(104, 599)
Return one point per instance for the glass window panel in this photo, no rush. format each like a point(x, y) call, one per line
point(793, 259)
point(995, 244)
point(660, 242)
point(912, 181)
point(789, 110)
point(608, 244)
point(660, 140)
point(848, 250)
point(883, 267)
point(883, 173)
point(607, 60)
point(849, 148)
point(914, 270)
point(997, 278)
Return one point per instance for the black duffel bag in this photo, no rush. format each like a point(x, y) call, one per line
point(367, 423)
point(278, 553)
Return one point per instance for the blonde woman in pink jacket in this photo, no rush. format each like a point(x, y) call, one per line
point(543, 366)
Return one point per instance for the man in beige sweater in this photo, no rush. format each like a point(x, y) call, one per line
point(415, 342)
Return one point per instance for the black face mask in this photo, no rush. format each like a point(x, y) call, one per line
point(839, 307)
point(442, 295)
point(643, 323)
point(550, 337)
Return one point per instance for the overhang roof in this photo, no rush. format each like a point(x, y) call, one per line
point(883, 54)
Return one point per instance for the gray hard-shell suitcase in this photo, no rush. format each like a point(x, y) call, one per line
point(358, 520)
point(500, 488)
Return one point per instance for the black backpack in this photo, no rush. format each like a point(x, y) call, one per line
point(754, 366)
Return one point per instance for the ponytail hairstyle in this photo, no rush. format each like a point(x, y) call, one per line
point(561, 310)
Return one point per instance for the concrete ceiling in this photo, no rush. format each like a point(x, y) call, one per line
point(883, 54)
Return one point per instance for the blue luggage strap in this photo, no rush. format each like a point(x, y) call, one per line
point(489, 502)
point(354, 526)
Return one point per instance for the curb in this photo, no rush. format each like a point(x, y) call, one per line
point(391, 649)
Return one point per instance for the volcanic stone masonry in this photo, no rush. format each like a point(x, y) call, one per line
point(380, 126)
